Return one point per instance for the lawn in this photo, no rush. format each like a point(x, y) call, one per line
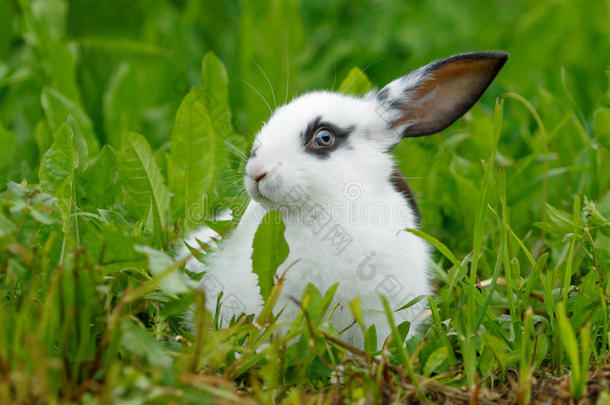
point(118, 118)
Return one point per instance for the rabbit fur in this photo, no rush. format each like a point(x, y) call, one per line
point(345, 217)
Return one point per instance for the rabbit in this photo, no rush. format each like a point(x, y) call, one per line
point(323, 161)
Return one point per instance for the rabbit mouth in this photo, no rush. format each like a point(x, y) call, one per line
point(256, 194)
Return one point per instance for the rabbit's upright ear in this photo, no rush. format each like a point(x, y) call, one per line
point(431, 98)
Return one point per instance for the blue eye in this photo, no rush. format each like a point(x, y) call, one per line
point(324, 138)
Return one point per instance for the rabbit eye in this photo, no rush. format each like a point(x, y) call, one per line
point(321, 138)
point(324, 138)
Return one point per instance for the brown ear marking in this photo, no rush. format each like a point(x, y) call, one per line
point(448, 89)
point(401, 185)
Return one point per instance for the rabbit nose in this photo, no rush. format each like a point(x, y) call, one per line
point(256, 170)
point(256, 175)
point(259, 177)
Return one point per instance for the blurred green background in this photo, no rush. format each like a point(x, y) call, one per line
point(80, 311)
point(148, 55)
point(82, 46)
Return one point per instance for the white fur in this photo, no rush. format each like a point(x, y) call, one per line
point(359, 239)
point(352, 190)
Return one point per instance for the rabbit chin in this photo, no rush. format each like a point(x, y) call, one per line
point(271, 205)
point(263, 199)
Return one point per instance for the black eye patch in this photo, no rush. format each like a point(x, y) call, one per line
point(341, 135)
point(254, 151)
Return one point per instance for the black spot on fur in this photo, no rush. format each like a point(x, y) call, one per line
point(310, 130)
point(401, 185)
point(383, 94)
point(396, 104)
point(501, 56)
point(341, 135)
point(405, 132)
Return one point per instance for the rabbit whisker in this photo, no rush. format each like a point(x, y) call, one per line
point(257, 92)
point(234, 150)
point(268, 82)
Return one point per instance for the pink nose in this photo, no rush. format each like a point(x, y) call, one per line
point(259, 177)
point(256, 170)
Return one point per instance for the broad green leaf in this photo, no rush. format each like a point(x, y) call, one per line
point(58, 107)
point(145, 194)
point(356, 83)
point(558, 221)
point(178, 306)
point(158, 262)
point(44, 19)
point(198, 151)
point(112, 246)
point(57, 172)
point(112, 217)
point(193, 158)
point(311, 300)
point(403, 330)
point(121, 104)
point(45, 25)
point(60, 65)
point(498, 348)
point(96, 186)
point(435, 360)
point(215, 84)
point(326, 300)
point(356, 309)
point(80, 144)
point(41, 217)
point(269, 250)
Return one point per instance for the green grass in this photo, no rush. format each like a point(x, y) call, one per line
point(116, 120)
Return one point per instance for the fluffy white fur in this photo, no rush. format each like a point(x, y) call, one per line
point(345, 222)
point(351, 191)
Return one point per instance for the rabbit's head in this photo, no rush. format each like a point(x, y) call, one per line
point(311, 148)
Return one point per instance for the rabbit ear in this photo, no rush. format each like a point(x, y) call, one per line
point(431, 98)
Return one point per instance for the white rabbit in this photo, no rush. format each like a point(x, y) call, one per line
point(323, 161)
